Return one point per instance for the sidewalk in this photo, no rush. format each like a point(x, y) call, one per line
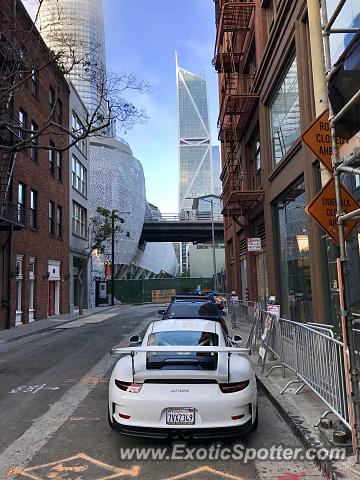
point(48, 324)
point(301, 411)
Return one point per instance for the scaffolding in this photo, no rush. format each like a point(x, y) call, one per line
point(347, 165)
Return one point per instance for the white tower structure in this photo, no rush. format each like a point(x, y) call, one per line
point(80, 25)
point(195, 153)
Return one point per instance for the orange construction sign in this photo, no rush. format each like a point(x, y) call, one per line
point(323, 209)
point(318, 138)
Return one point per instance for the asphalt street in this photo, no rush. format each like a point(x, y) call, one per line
point(53, 414)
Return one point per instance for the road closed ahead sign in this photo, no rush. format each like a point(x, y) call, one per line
point(323, 209)
point(318, 138)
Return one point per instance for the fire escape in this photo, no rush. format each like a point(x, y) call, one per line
point(11, 61)
point(241, 186)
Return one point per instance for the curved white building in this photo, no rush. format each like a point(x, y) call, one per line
point(80, 24)
point(117, 182)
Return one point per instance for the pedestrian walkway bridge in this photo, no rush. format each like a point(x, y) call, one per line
point(184, 227)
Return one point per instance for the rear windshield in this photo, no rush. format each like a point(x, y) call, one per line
point(182, 360)
point(192, 309)
point(183, 338)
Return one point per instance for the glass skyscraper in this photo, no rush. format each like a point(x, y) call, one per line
point(78, 26)
point(196, 177)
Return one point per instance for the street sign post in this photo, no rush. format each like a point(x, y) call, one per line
point(323, 209)
point(318, 138)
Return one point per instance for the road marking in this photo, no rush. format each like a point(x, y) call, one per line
point(96, 318)
point(31, 389)
point(207, 469)
point(21, 451)
point(77, 464)
point(83, 419)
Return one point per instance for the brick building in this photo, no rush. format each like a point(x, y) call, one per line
point(263, 57)
point(34, 236)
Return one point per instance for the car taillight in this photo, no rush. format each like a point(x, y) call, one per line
point(129, 387)
point(233, 387)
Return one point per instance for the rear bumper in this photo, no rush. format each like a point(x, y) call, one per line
point(183, 433)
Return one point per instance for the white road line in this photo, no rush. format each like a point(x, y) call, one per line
point(21, 451)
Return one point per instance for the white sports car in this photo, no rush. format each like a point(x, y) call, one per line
point(184, 379)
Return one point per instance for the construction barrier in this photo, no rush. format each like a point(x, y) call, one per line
point(308, 350)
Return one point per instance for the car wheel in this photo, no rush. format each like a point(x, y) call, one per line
point(111, 424)
point(255, 424)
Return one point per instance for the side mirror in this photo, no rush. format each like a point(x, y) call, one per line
point(237, 339)
point(161, 312)
point(135, 339)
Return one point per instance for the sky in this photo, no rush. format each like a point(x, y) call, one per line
point(142, 37)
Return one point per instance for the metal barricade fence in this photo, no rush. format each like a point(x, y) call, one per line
point(317, 359)
point(241, 312)
point(308, 350)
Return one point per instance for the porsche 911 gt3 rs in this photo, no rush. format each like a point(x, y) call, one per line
point(184, 379)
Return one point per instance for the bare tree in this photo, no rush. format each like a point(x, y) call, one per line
point(24, 55)
point(103, 226)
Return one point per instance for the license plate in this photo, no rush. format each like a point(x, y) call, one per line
point(180, 416)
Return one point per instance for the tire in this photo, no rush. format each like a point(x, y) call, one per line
point(111, 424)
point(256, 421)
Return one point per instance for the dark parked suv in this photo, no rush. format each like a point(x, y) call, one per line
point(194, 307)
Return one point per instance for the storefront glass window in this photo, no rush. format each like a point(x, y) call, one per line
point(285, 115)
point(294, 255)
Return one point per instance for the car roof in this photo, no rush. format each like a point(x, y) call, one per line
point(188, 298)
point(192, 300)
point(191, 324)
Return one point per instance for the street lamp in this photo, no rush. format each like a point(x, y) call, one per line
point(195, 206)
point(113, 213)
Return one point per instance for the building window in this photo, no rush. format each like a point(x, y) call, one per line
point(58, 156)
point(34, 82)
point(294, 260)
point(59, 223)
point(79, 176)
point(52, 158)
point(59, 112)
point(79, 220)
point(33, 151)
point(78, 129)
point(257, 153)
point(22, 123)
point(51, 217)
point(33, 209)
point(285, 115)
point(21, 203)
point(51, 98)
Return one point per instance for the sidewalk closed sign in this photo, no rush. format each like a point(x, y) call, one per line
point(254, 245)
point(323, 209)
point(162, 296)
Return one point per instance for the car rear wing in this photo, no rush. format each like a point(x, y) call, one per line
point(183, 349)
point(223, 369)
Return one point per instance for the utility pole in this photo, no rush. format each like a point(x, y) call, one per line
point(112, 257)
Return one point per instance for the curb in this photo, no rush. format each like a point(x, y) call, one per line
point(49, 328)
point(302, 430)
